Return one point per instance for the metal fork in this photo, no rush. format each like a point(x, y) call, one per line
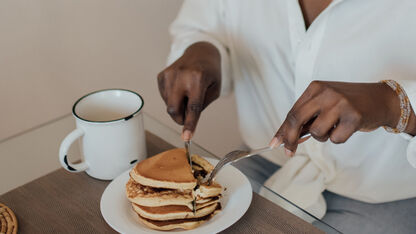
point(236, 155)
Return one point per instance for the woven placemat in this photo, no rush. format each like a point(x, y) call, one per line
point(8, 221)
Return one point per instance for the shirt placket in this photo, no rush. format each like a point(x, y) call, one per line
point(305, 44)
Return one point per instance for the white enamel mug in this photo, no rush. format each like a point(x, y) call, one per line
point(110, 125)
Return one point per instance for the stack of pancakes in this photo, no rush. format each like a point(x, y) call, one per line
point(164, 190)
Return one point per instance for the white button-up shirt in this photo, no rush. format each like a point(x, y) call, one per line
point(269, 58)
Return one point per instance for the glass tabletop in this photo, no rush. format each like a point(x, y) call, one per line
point(35, 152)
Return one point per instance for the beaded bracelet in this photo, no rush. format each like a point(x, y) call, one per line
point(405, 109)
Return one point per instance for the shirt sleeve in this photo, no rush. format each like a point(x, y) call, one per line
point(197, 21)
point(409, 87)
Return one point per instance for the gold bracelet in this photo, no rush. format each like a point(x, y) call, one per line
point(405, 109)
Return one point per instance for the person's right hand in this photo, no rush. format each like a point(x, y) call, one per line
point(190, 84)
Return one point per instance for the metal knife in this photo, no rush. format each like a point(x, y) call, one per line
point(188, 154)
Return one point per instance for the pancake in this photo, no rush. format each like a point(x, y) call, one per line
point(164, 188)
point(147, 196)
point(186, 224)
point(207, 203)
point(205, 191)
point(173, 212)
point(167, 225)
point(196, 167)
point(202, 162)
point(200, 200)
point(169, 169)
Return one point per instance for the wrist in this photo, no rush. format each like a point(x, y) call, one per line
point(392, 109)
point(203, 51)
point(411, 126)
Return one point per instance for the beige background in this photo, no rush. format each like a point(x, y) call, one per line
point(54, 51)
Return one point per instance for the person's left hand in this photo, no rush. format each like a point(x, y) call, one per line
point(336, 110)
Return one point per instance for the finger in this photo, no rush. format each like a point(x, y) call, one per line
point(176, 105)
point(193, 110)
point(342, 132)
point(349, 122)
point(296, 118)
point(324, 123)
point(165, 81)
point(310, 93)
point(161, 85)
point(212, 93)
point(275, 142)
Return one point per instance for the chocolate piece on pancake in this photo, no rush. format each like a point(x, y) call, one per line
point(202, 163)
point(201, 167)
point(169, 169)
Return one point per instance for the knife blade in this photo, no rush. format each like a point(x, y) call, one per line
point(188, 154)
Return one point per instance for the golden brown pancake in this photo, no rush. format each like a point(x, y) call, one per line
point(173, 212)
point(200, 200)
point(169, 169)
point(202, 163)
point(148, 196)
point(207, 202)
point(186, 224)
point(164, 188)
point(205, 191)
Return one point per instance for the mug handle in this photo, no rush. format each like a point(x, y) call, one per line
point(63, 151)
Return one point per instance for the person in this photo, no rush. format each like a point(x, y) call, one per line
point(344, 71)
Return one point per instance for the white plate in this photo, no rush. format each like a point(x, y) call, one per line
point(236, 199)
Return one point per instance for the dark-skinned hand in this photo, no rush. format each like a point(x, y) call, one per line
point(335, 110)
point(190, 84)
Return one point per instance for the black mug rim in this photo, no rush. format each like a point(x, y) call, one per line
point(107, 121)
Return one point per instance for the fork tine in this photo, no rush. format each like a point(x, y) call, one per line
point(228, 158)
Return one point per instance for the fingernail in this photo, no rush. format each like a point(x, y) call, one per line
point(276, 141)
point(289, 153)
point(186, 135)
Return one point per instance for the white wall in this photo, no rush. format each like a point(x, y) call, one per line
point(54, 51)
